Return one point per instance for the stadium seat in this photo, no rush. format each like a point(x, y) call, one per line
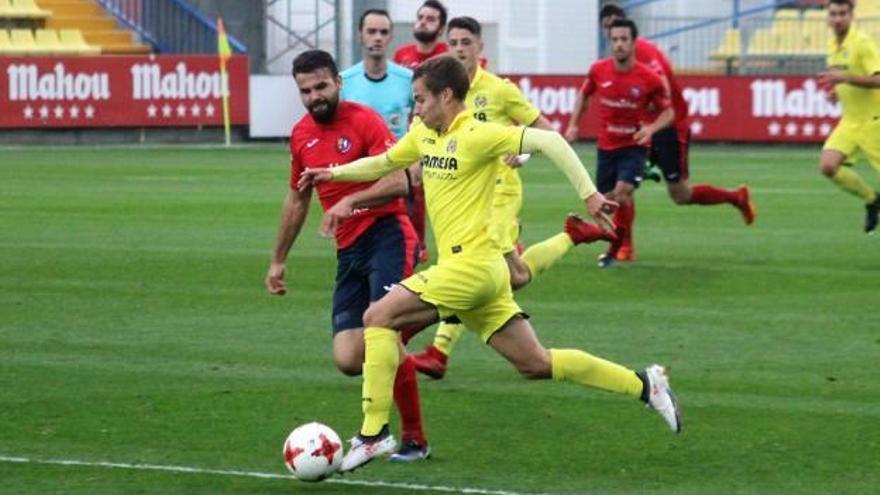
point(23, 42)
point(763, 42)
point(6, 47)
point(730, 45)
point(6, 9)
point(74, 41)
point(29, 9)
point(98, 29)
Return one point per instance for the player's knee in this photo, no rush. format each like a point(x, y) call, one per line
point(377, 316)
point(349, 367)
point(680, 196)
point(519, 278)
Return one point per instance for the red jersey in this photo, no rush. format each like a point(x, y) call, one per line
point(356, 131)
point(624, 99)
point(648, 54)
point(410, 57)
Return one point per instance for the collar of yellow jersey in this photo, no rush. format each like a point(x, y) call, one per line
point(850, 37)
point(477, 75)
point(457, 122)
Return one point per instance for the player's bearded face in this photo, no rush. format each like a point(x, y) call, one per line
point(319, 92)
point(427, 28)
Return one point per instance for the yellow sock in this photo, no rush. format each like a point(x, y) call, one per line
point(447, 335)
point(544, 254)
point(579, 367)
point(851, 182)
point(381, 358)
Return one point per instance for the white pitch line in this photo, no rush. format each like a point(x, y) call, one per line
point(254, 474)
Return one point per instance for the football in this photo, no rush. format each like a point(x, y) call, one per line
point(312, 452)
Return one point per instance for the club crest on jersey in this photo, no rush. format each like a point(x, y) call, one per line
point(481, 101)
point(343, 144)
point(636, 92)
point(451, 146)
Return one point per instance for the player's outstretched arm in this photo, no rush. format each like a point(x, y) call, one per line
point(834, 77)
point(294, 210)
point(563, 156)
point(390, 187)
point(361, 170)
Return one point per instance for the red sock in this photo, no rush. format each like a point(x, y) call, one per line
point(704, 194)
point(623, 220)
point(417, 213)
point(406, 396)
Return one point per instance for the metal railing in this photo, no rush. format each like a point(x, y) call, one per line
point(170, 26)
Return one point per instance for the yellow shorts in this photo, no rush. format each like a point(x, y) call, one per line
point(475, 289)
point(506, 205)
point(848, 138)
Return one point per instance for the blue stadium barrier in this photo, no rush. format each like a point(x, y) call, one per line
point(170, 26)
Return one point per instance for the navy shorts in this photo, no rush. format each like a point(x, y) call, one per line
point(623, 164)
point(669, 152)
point(382, 256)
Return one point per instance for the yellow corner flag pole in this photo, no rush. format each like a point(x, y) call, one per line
point(224, 52)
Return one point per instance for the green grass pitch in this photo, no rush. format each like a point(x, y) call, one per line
point(134, 328)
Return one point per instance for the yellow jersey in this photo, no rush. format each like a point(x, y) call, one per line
point(459, 168)
point(493, 99)
point(858, 56)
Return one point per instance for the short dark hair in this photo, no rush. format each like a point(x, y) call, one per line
point(443, 72)
point(367, 12)
point(627, 23)
point(843, 2)
point(467, 23)
point(611, 10)
point(439, 7)
point(313, 60)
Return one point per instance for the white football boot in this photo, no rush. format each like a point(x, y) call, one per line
point(361, 451)
point(661, 398)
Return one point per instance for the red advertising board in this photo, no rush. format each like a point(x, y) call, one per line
point(124, 91)
point(739, 108)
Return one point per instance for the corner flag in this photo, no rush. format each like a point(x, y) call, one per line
point(224, 52)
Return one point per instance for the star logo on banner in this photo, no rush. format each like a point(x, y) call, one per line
point(195, 110)
point(209, 110)
point(181, 110)
point(44, 112)
point(825, 129)
point(28, 112)
point(809, 129)
point(791, 129)
point(774, 128)
point(166, 111)
point(151, 111)
point(59, 111)
point(90, 112)
point(696, 128)
point(74, 112)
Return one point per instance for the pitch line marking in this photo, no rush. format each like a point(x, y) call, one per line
point(254, 474)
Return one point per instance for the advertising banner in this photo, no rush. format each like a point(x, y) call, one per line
point(738, 108)
point(123, 91)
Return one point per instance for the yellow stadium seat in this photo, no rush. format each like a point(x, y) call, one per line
point(815, 15)
point(23, 42)
point(763, 42)
point(787, 14)
point(47, 40)
point(6, 10)
point(730, 45)
point(6, 47)
point(73, 40)
point(29, 9)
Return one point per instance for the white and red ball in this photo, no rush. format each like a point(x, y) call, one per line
point(312, 452)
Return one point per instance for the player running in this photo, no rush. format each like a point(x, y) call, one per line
point(375, 240)
point(670, 146)
point(627, 92)
point(853, 78)
point(471, 280)
point(493, 99)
